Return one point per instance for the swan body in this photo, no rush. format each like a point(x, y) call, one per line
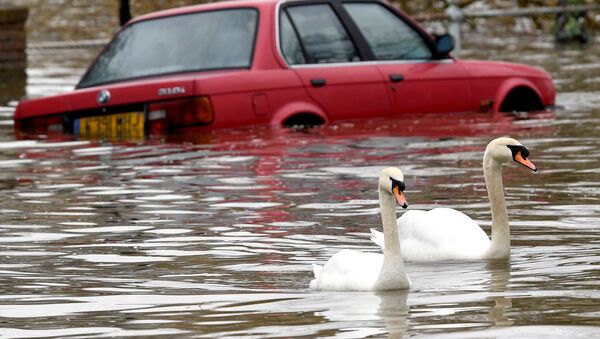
point(350, 270)
point(448, 234)
point(439, 234)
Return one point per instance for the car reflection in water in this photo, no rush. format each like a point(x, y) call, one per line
point(270, 147)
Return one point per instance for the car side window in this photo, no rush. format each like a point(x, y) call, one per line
point(290, 45)
point(322, 35)
point(389, 37)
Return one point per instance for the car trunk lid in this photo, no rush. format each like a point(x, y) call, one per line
point(114, 98)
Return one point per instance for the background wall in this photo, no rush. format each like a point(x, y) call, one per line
point(59, 20)
point(64, 20)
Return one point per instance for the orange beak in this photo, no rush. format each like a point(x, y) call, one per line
point(525, 162)
point(400, 198)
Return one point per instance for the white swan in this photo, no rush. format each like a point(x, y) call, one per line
point(357, 271)
point(447, 234)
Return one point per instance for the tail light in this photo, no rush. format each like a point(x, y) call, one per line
point(47, 124)
point(180, 113)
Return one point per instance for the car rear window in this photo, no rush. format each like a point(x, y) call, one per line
point(192, 42)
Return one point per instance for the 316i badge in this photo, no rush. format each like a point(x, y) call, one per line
point(171, 90)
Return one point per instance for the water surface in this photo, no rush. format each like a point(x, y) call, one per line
point(214, 237)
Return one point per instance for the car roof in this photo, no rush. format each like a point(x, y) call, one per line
point(227, 4)
point(205, 7)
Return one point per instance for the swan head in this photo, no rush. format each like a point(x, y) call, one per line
point(508, 149)
point(391, 181)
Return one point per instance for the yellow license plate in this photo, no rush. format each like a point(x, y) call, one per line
point(122, 126)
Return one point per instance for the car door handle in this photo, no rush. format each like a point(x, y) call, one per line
point(396, 77)
point(319, 82)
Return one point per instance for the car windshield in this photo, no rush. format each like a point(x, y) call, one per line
point(191, 42)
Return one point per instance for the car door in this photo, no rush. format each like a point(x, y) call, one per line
point(317, 46)
point(418, 83)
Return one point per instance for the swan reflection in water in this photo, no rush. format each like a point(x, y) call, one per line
point(500, 278)
point(439, 295)
point(363, 314)
point(394, 309)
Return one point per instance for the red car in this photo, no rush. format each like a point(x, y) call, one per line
point(298, 62)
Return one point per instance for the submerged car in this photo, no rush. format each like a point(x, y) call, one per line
point(281, 62)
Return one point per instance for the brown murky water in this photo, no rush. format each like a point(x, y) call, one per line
point(216, 239)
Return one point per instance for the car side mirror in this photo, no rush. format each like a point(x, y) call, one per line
point(444, 44)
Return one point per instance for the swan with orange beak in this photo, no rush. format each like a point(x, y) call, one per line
point(351, 270)
point(447, 234)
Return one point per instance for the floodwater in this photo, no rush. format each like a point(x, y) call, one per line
point(214, 237)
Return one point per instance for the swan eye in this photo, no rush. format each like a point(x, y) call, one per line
point(515, 149)
point(398, 183)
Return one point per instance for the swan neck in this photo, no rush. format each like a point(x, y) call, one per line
point(500, 242)
point(387, 205)
point(392, 274)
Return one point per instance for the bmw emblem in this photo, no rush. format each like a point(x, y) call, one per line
point(103, 97)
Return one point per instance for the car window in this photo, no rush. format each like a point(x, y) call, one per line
point(322, 35)
point(290, 45)
point(389, 37)
point(190, 42)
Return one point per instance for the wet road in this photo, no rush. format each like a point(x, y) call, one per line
point(215, 237)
